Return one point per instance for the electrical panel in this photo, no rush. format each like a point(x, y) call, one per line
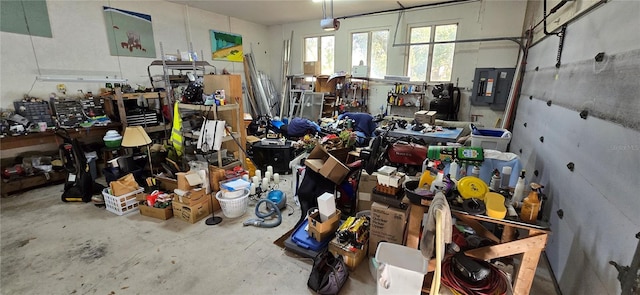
point(491, 87)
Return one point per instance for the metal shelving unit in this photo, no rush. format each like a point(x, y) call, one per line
point(231, 113)
point(171, 79)
point(406, 98)
point(120, 97)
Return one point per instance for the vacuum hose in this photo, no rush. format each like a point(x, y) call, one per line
point(272, 209)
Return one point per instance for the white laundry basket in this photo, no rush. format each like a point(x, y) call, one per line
point(121, 205)
point(233, 205)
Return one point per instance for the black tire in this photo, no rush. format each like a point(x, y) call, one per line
point(370, 166)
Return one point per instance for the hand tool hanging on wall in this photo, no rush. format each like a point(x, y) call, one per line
point(628, 275)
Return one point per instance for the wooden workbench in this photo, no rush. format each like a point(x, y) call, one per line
point(49, 136)
point(530, 245)
point(34, 143)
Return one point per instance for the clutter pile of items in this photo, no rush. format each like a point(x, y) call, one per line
point(362, 190)
point(453, 181)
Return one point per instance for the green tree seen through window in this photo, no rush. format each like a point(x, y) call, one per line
point(434, 60)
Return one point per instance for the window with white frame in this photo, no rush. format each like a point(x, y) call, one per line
point(322, 50)
point(431, 62)
point(370, 48)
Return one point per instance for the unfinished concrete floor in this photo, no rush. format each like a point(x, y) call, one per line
point(51, 247)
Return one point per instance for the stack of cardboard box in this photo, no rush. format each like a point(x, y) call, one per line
point(388, 224)
point(194, 204)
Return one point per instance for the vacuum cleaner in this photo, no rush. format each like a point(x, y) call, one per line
point(274, 202)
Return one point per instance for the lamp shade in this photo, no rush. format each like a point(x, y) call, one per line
point(135, 136)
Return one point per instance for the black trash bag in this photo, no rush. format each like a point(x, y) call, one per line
point(312, 186)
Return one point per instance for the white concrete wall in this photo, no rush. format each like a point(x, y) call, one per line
point(475, 20)
point(79, 45)
point(600, 197)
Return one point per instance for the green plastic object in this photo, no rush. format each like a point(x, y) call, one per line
point(471, 153)
point(464, 155)
point(113, 143)
point(441, 153)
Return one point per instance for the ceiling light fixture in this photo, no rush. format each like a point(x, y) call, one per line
point(328, 24)
point(80, 79)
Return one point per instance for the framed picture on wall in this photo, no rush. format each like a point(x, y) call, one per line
point(226, 46)
point(129, 33)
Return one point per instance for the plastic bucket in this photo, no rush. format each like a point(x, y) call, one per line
point(405, 269)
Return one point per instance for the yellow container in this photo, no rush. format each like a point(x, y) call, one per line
point(472, 187)
point(250, 167)
point(530, 208)
point(426, 179)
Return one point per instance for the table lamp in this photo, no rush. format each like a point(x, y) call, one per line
point(135, 136)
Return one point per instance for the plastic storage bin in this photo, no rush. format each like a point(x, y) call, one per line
point(304, 240)
point(121, 205)
point(490, 138)
point(405, 269)
point(233, 207)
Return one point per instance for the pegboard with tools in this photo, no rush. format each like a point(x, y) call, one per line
point(68, 112)
point(93, 106)
point(35, 111)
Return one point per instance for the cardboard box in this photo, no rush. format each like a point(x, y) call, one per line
point(387, 225)
point(360, 71)
point(141, 196)
point(215, 176)
point(193, 196)
point(428, 117)
point(365, 188)
point(167, 184)
point(350, 255)
point(252, 139)
point(364, 205)
point(124, 185)
point(312, 68)
point(323, 162)
point(188, 180)
point(159, 213)
point(394, 180)
point(192, 213)
point(320, 230)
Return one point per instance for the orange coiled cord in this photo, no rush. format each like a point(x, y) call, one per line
point(494, 284)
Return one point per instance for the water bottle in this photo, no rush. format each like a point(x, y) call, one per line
point(438, 184)
point(518, 192)
point(453, 170)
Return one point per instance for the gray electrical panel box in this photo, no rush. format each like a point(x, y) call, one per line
point(491, 87)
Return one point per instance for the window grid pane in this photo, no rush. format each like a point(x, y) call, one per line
point(311, 49)
point(442, 60)
point(446, 33)
point(328, 50)
point(418, 54)
point(359, 43)
point(379, 41)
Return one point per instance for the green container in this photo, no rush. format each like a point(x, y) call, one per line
point(113, 143)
